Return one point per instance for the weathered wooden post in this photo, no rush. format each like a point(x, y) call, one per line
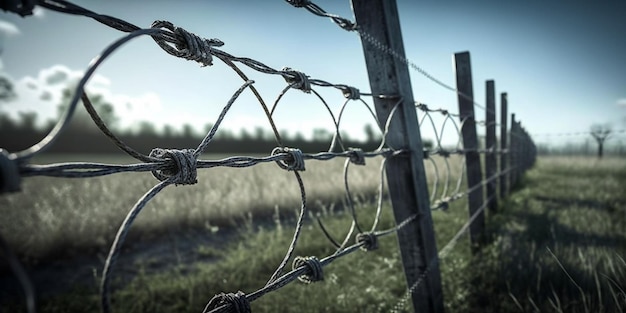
point(527, 150)
point(389, 75)
point(524, 149)
point(513, 151)
point(491, 145)
point(503, 145)
point(463, 71)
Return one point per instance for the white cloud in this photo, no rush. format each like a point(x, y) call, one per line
point(621, 102)
point(43, 93)
point(8, 29)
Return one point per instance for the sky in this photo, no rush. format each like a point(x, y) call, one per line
point(562, 63)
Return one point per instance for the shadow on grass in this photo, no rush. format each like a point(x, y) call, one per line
point(537, 261)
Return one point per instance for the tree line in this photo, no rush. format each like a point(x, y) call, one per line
point(82, 136)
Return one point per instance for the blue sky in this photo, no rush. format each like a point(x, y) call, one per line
point(561, 62)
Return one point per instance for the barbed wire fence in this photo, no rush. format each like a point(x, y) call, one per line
point(395, 113)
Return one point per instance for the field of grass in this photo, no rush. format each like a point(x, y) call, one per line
point(558, 244)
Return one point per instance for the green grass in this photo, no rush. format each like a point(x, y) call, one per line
point(60, 214)
point(558, 245)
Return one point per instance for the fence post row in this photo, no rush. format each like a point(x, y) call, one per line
point(503, 144)
point(470, 145)
point(491, 145)
point(406, 176)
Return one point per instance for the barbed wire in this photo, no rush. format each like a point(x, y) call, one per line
point(348, 25)
point(179, 166)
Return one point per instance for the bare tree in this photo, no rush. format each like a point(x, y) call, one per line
point(600, 133)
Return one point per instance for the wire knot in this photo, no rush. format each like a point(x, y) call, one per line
point(237, 301)
point(297, 80)
point(180, 165)
point(9, 173)
point(186, 45)
point(442, 205)
point(357, 156)
point(369, 240)
point(299, 3)
point(344, 23)
point(351, 93)
point(294, 161)
point(314, 269)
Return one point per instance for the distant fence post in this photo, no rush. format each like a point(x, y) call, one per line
point(408, 188)
point(513, 151)
point(463, 71)
point(523, 149)
point(491, 145)
point(533, 151)
point(503, 145)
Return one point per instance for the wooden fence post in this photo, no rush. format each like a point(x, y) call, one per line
point(408, 189)
point(513, 151)
point(470, 143)
point(491, 166)
point(527, 150)
point(503, 145)
point(524, 149)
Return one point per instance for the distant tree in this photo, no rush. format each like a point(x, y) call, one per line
point(224, 134)
point(285, 134)
point(7, 125)
point(146, 128)
point(298, 137)
point(244, 134)
point(370, 135)
point(81, 119)
point(188, 131)
point(345, 136)
point(260, 134)
point(320, 134)
point(7, 91)
point(600, 133)
point(168, 131)
point(207, 128)
point(28, 120)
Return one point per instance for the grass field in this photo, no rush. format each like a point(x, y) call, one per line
point(558, 244)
